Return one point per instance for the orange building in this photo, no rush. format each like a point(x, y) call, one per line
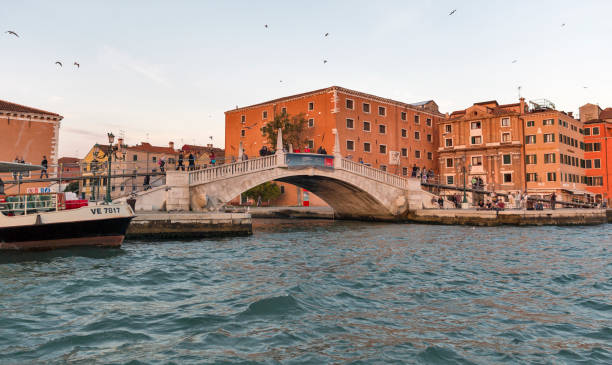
point(598, 151)
point(28, 134)
point(384, 133)
point(482, 145)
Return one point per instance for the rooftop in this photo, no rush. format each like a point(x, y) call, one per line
point(147, 147)
point(606, 114)
point(18, 108)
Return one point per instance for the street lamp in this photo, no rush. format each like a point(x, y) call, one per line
point(111, 140)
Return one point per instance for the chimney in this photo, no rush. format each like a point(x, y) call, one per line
point(522, 102)
point(120, 142)
point(171, 144)
point(571, 114)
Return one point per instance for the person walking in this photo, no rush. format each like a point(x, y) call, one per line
point(1, 186)
point(146, 183)
point(244, 156)
point(44, 163)
point(213, 159)
point(180, 165)
point(553, 200)
point(441, 202)
point(414, 170)
point(162, 164)
point(191, 162)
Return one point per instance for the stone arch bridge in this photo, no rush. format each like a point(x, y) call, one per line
point(353, 190)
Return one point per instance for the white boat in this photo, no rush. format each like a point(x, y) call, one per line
point(47, 221)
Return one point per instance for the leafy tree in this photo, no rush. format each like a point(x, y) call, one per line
point(73, 187)
point(293, 128)
point(264, 192)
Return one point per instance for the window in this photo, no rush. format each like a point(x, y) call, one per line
point(588, 164)
point(404, 115)
point(476, 125)
point(597, 163)
point(505, 122)
point(383, 167)
point(349, 104)
point(428, 122)
point(366, 126)
point(507, 177)
point(476, 160)
point(549, 138)
point(382, 111)
point(450, 180)
point(531, 139)
point(551, 176)
point(506, 137)
point(587, 131)
point(366, 146)
point(350, 145)
point(417, 119)
point(507, 159)
point(595, 131)
point(429, 139)
point(531, 159)
point(311, 105)
point(311, 144)
point(382, 129)
point(596, 146)
point(264, 115)
point(449, 162)
point(404, 152)
point(243, 119)
point(476, 140)
point(243, 132)
point(382, 149)
point(404, 171)
point(283, 110)
point(417, 154)
point(530, 123)
point(549, 158)
point(548, 122)
point(429, 155)
point(404, 134)
point(417, 135)
point(350, 124)
point(282, 188)
point(366, 107)
point(532, 177)
point(448, 142)
point(311, 123)
point(154, 159)
point(588, 147)
point(448, 128)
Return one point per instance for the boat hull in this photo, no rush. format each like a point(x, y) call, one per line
point(101, 232)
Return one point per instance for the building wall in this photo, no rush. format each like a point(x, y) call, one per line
point(604, 155)
point(566, 176)
point(589, 112)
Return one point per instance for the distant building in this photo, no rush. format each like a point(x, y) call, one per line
point(598, 152)
point(29, 134)
point(69, 167)
point(380, 132)
point(202, 154)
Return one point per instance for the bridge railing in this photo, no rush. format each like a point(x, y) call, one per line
point(232, 169)
point(373, 173)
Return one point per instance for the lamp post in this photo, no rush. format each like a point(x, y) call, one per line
point(111, 139)
point(464, 177)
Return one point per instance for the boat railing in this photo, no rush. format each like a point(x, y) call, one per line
point(24, 204)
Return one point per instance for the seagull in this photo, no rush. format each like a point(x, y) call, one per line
point(326, 34)
point(59, 63)
point(77, 64)
point(452, 12)
point(281, 81)
point(324, 61)
point(266, 25)
point(563, 25)
point(211, 137)
point(514, 61)
point(585, 87)
point(13, 33)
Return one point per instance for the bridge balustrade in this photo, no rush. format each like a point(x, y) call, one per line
point(232, 169)
point(373, 173)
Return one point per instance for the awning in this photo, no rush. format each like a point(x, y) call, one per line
point(18, 167)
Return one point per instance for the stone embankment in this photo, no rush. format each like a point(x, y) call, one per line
point(560, 217)
point(286, 212)
point(164, 225)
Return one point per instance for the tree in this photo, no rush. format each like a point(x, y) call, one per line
point(73, 187)
point(293, 128)
point(264, 192)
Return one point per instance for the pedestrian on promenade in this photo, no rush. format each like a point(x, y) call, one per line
point(146, 182)
point(244, 156)
point(263, 151)
point(1, 187)
point(180, 165)
point(553, 200)
point(213, 158)
point(414, 170)
point(44, 163)
point(441, 202)
point(191, 162)
point(162, 164)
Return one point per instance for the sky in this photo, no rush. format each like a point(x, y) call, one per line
point(160, 71)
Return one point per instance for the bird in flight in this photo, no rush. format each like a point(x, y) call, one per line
point(324, 61)
point(281, 81)
point(585, 87)
point(514, 61)
point(563, 25)
point(77, 64)
point(326, 34)
point(211, 137)
point(452, 12)
point(266, 25)
point(59, 63)
point(12, 33)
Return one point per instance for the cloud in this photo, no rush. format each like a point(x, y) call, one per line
point(121, 60)
point(82, 132)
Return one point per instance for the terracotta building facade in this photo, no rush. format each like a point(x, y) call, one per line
point(598, 150)
point(380, 132)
